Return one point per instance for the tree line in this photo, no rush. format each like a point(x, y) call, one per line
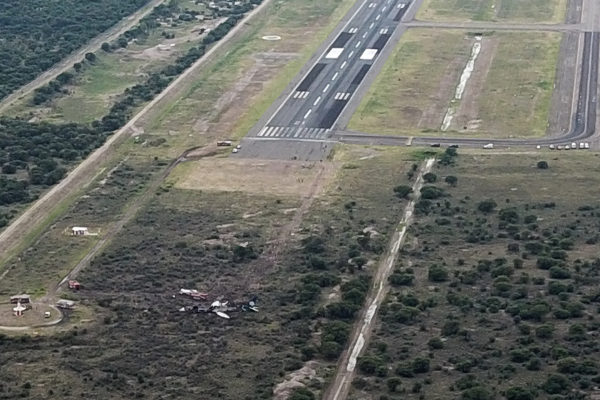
point(37, 34)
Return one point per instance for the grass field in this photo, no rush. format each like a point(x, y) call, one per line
point(546, 11)
point(494, 300)
point(508, 94)
point(515, 99)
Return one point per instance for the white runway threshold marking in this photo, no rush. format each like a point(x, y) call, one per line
point(368, 54)
point(334, 53)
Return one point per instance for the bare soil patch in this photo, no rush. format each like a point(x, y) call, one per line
point(468, 110)
point(433, 115)
point(284, 178)
point(31, 317)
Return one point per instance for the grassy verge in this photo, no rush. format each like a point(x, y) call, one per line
point(546, 11)
point(517, 103)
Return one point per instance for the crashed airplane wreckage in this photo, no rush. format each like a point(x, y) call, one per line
point(221, 308)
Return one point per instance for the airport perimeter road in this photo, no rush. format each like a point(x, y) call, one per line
point(311, 109)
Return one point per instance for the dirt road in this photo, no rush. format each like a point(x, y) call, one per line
point(362, 330)
point(66, 64)
point(27, 223)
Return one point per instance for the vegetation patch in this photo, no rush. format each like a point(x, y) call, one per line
point(548, 11)
point(38, 34)
point(494, 294)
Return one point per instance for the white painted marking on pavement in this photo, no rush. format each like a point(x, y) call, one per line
point(334, 76)
point(334, 53)
point(377, 17)
point(326, 88)
point(368, 54)
point(307, 113)
point(317, 101)
point(343, 65)
point(351, 54)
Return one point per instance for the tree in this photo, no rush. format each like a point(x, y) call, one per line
point(420, 365)
point(77, 66)
point(450, 328)
point(556, 384)
point(487, 206)
point(402, 191)
point(430, 177)
point(302, 393)
point(451, 180)
point(435, 343)
point(105, 47)
point(437, 273)
point(519, 393)
point(91, 57)
point(431, 192)
point(477, 393)
point(369, 364)
point(542, 165)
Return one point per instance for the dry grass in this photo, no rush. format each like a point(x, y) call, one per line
point(280, 178)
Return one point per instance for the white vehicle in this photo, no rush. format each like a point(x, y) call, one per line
point(551, 147)
point(574, 146)
point(567, 147)
point(235, 150)
point(239, 146)
point(559, 147)
point(586, 145)
point(488, 146)
point(539, 147)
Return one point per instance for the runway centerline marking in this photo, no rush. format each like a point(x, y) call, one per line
point(326, 88)
point(317, 101)
point(334, 76)
point(343, 65)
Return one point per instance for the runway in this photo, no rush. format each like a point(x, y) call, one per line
point(311, 110)
point(310, 117)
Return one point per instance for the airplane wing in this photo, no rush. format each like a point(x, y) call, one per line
point(222, 314)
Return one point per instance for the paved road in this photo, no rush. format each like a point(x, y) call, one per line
point(313, 107)
point(66, 63)
point(498, 26)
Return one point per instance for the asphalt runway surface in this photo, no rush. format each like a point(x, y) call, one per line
point(311, 110)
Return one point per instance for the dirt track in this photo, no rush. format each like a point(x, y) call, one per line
point(361, 332)
point(92, 46)
point(83, 174)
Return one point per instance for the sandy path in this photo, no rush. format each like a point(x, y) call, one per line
point(363, 328)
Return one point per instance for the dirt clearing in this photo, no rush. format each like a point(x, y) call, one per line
point(283, 178)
